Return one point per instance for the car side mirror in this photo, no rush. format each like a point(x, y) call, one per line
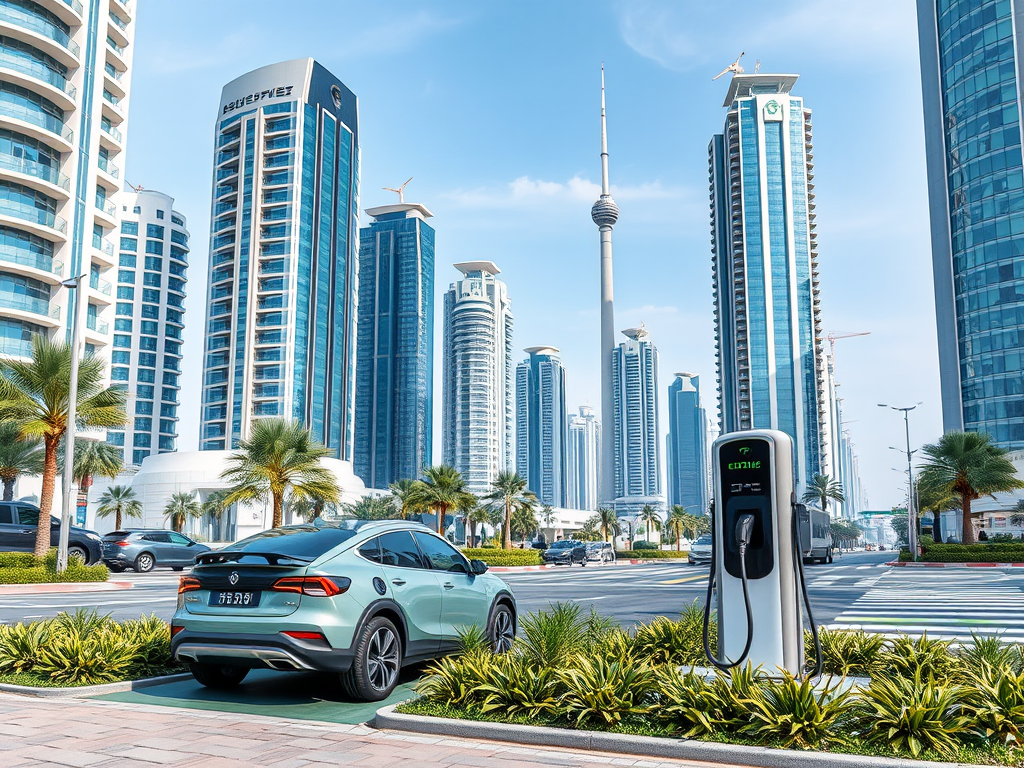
point(191, 544)
point(477, 567)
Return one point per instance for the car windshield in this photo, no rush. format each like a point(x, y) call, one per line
point(117, 535)
point(301, 542)
point(563, 544)
point(705, 539)
point(594, 545)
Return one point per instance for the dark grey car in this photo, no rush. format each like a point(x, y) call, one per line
point(144, 550)
point(18, 522)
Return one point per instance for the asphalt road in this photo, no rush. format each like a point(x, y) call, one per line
point(627, 593)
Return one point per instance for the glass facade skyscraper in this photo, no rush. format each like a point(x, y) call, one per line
point(636, 435)
point(65, 80)
point(541, 425)
point(583, 457)
point(478, 392)
point(281, 303)
point(395, 347)
point(972, 91)
point(764, 246)
point(146, 355)
point(687, 445)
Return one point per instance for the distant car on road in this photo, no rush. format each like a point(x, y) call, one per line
point(700, 551)
point(357, 598)
point(600, 552)
point(146, 549)
point(566, 552)
point(18, 524)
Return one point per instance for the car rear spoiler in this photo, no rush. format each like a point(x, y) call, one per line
point(233, 556)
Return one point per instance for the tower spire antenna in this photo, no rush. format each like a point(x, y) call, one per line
point(604, 140)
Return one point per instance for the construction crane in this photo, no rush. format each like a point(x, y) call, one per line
point(833, 337)
point(140, 188)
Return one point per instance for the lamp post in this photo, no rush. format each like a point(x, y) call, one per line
point(67, 497)
point(911, 507)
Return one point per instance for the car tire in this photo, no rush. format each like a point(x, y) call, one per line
point(829, 558)
point(583, 563)
point(144, 563)
point(377, 661)
point(501, 629)
point(178, 568)
point(115, 567)
point(217, 676)
point(80, 552)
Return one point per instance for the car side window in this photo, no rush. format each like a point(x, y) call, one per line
point(159, 538)
point(6, 518)
point(177, 538)
point(371, 550)
point(441, 555)
point(398, 548)
point(28, 515)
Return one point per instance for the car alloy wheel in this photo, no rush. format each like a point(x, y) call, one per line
point(78, 552)
point(502, 631)
point(144, 563)
point(382, 659)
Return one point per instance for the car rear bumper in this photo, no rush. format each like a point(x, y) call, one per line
point(262, 651)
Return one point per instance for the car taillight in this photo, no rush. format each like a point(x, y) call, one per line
point(188, 584)
point(122, 543)
point(305, 635)
point(314, 586)
point(175, 630)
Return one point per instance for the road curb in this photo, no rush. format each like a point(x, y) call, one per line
point(93, 690)
point(898, 564)
point(644, 746)
point(517, 568)
point(70, 586)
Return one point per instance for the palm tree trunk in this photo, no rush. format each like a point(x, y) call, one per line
point(117, 519)
point(278, 519)
point(46, 494)
point(965, 501)
point(472, 532)
point(9, 487)
point(506, 529)
point(440, 520)
point(679, 542)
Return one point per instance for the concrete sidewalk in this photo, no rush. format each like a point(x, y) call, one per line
point(104, 734)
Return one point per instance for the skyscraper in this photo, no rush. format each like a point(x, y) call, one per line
point(280, 323)
point(635, 434)
point(972, 91)
point(605, 213)
point(541, 424)
point(478, 396)
point(584, 460)
point(65, 74)
point(767, 324)
point(687, 445)
point(395, 349)
point(146, 357)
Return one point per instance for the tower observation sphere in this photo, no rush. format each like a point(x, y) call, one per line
point(605, 212)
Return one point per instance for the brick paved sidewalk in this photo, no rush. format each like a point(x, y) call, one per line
point(98, 734)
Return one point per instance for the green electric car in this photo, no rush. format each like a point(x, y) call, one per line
point(361, 598)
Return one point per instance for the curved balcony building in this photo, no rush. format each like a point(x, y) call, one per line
point(64, 92)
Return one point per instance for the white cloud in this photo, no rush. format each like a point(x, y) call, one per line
point(525, 191)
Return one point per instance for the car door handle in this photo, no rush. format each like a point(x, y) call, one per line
point(398, 582)
point(449, 585)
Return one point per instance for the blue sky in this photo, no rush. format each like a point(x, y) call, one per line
point(493, 108)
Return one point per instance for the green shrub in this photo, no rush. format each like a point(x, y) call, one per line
point(645, 545)
point(794, 712)
point(845, 652)
point(906, 656)
point(17, 560)
point(20, 644)
point(993, 652)
point(990, 552)
point(73, 658)
point(454, 681)
point(473, 639)
point(735, 692)
point(551, 638)
point(912, 714)
point(663, 641)
point(650, 554)
point(504, 557)
point(516, 687)
point(996, 703)
point(602, 691)
point(151, 638)
point(687, 704)
point(25, 568)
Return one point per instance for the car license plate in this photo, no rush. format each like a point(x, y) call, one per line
point(235, 599)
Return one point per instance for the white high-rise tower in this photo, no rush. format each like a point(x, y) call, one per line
point(605, 213)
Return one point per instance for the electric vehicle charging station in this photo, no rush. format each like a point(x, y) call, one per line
point(757, 568)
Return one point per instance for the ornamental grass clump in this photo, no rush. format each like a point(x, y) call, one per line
point(995, 704)
point(20, 644)
point(993, 652)
point(906, 657)
point(847, 653)
point(454, 680)
point(605, 692)
point(550, 638)
point(687, 704)
point(516, 687)
point(794, 712)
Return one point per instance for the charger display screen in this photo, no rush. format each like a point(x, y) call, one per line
point(745, 468)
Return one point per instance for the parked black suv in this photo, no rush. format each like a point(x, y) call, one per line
point(566, 552)
point(18, 522)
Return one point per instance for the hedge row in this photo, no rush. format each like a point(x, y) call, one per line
point(504, 557)
point(650, 554)
point(25, 568)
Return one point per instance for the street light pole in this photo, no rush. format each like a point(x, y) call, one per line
point(911, 506)
point(67, 497)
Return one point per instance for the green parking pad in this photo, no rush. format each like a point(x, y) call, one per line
point(298, 695)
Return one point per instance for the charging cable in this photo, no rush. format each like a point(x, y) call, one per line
point(798, 556)
point(744, 532)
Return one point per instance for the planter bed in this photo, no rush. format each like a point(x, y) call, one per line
point(28, 684)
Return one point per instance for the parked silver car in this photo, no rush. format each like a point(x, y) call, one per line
point(146, 549)
point(600, 552)
point(700, 551)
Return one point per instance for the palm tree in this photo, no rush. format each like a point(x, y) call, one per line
point(478, 515)
point(92, 458)
point(509, 494)
point(678, 522)
point(279, 456)
point(523, 524)
point(821, 489)
point(442, 490)
point(119, 501)
point(404, 495)
point(371, 508)
point(1016, 514)
point(969, 466)
point(17, 457)
point(935, 499)
point(307, 509)
point(182, 507)
point(650, 518)
point(214, 507)
point(608, 522)
point(34, 395)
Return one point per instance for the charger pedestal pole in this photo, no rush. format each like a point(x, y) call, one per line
point(753, 474)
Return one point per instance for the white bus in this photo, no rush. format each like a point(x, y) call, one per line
point(815, 535)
